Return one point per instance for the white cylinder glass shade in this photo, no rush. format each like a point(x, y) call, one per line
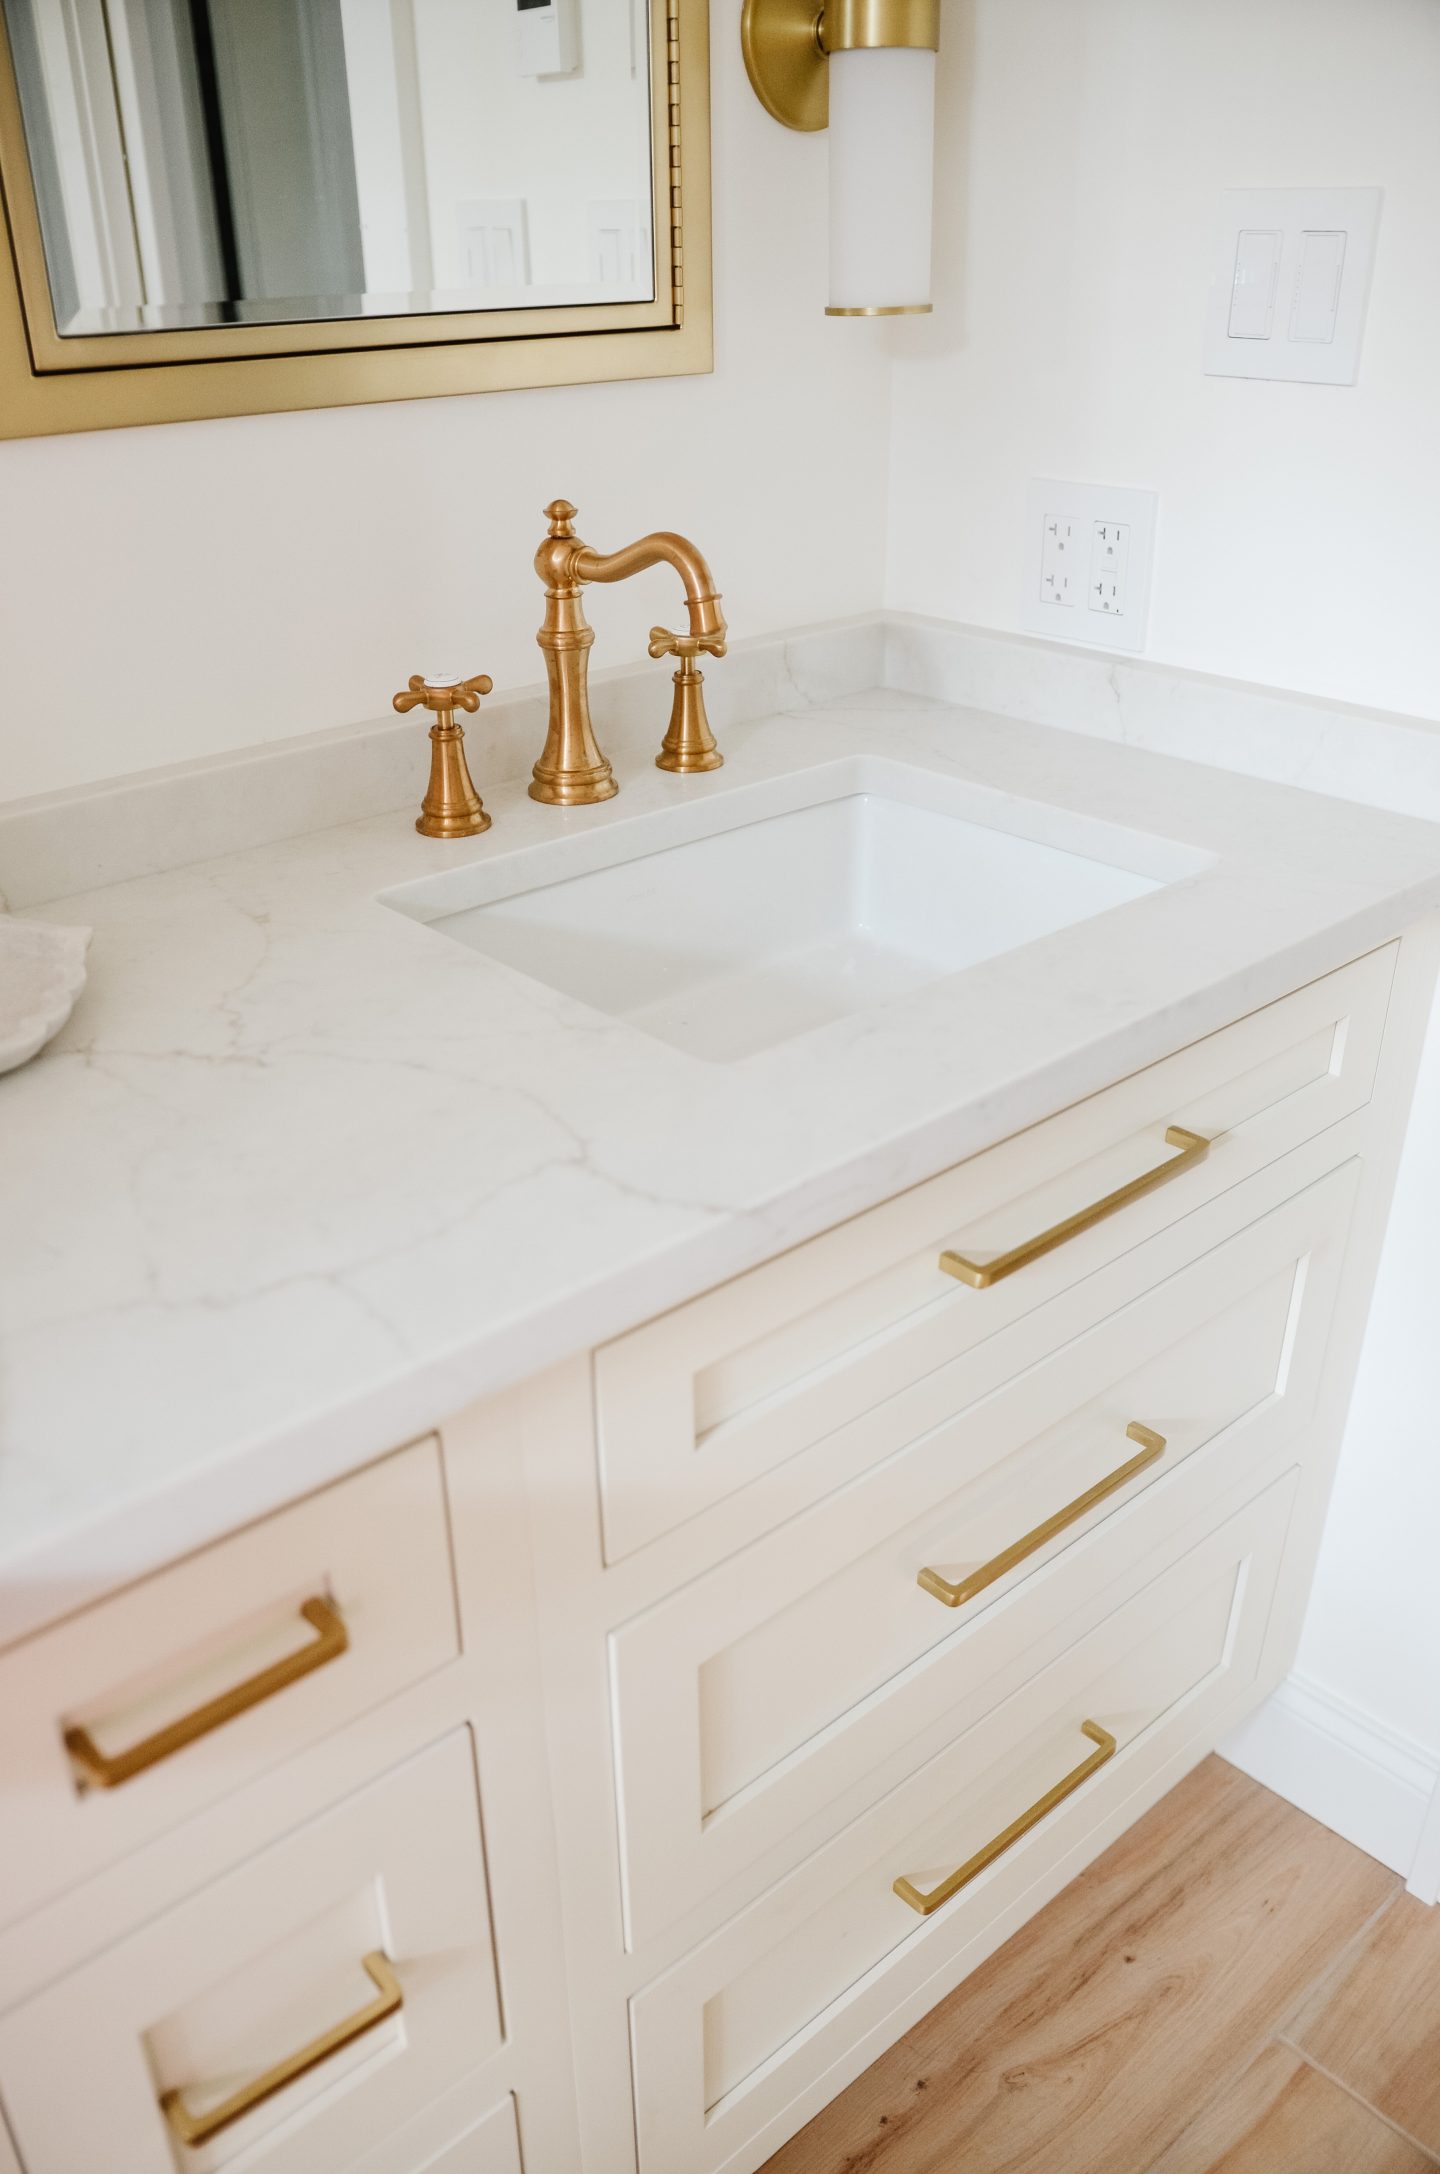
point(882, 177)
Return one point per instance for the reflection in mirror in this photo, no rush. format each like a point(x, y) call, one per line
point(223, 162)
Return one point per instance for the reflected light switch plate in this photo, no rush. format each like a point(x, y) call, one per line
point(1290, 284)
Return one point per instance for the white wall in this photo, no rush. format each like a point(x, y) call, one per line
point(176, 592)
point(1085, 144)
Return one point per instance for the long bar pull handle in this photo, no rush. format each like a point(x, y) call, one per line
point(974, 1866)
point(199, 2128)
point(981, 1274)
point(102, 1770)
point(1152, 1448)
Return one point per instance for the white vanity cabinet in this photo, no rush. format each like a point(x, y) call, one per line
point(669, 1732)
point(326, 1926)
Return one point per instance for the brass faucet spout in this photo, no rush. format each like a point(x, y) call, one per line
point(664, 548)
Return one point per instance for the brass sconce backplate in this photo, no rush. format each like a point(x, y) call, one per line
point(787, 43)
point(785, 60)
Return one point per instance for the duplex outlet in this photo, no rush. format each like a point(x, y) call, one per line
point(1109, 583)
point(1059, 556)
point(1088, 554)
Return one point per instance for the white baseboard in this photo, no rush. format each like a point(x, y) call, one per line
point(1363, 1780)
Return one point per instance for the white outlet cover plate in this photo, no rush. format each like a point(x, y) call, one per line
point(1304, 352)
point(1087, 507)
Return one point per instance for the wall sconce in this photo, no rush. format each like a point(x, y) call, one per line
point(865, 68)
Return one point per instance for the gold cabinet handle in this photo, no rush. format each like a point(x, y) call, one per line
point(981, 1274)
point(974, 1866)
point(100, 1770)
point(199, 2128)
point(1153, 1446)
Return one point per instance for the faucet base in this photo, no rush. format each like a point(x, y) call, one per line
point(471, 824)
point(574, 788)
point(689, 744)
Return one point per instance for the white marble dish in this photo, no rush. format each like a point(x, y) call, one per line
point(42, 971)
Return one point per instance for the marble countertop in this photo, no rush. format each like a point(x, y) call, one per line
point(300, 1177)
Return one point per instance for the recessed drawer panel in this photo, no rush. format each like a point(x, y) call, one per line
point(900, 1904)
point(755, 1376)
point(135, 1713)
point(284, 2017)
point(750, 1701)
point(490, 2145)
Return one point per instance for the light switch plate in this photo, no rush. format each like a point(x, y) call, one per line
point(1290, 284)
point(1088, 554)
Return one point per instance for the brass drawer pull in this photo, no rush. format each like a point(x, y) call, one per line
point(974, 1866)
point(955, 1596)
point(199, 2128)
point(100, 1770)
point(980, 1275)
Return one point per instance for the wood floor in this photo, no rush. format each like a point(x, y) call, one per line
point(1231, 1989)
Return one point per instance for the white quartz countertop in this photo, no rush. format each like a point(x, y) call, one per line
point(301, 1177)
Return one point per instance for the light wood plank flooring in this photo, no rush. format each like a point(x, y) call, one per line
point(1231, 1989)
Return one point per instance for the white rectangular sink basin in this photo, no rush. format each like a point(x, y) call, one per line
point(775, 924)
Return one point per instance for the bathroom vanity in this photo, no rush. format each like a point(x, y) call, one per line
point(624, 1443)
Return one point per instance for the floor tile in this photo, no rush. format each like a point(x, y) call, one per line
point(1283, 2117)
point(1378, 2026)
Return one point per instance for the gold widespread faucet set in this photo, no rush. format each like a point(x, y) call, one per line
point(572, 772)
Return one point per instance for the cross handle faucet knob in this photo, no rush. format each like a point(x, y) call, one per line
point(441, 694)
point(665, 644)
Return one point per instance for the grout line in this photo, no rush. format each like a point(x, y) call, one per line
point(1359, 2098)
point(1276, 2029)
point(1280, 2025)
point(1340, 1962)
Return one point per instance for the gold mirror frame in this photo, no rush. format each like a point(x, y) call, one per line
point(49, 383)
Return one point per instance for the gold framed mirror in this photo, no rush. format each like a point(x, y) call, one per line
point(229, 207)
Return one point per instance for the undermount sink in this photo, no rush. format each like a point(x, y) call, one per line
point(771, 921)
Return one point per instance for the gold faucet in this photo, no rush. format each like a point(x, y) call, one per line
point(571, 771)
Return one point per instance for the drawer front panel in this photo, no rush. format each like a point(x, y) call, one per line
point(728, 2040)
point(223, 1993)
point(701, 1403)
point(273, 1638)
point(751, 1700)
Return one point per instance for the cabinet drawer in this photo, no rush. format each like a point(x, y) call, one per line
point(354, 1955)
point(748, 1703)
point(729, 2042)
point(273, 1637)
point(752, 1378)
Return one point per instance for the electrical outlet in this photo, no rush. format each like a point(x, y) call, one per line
point(1087, 563)
point(1109, 589)
point(1058, 556)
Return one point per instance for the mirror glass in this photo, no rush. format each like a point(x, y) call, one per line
point(234, 162)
